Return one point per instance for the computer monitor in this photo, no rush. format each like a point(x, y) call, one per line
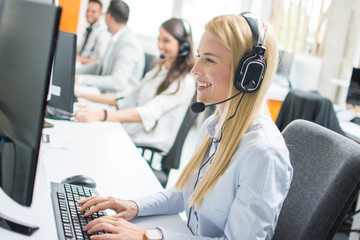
point(60, 105)
point(1, 7)
point(284, 66)
point(28, 32)
point(353, 96)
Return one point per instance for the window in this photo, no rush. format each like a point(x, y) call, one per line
point(199, 12)
point(147, 16)
point(301, 24)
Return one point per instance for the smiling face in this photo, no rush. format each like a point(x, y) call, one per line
point(93, 12)
point(212, 71)
point(168, 46)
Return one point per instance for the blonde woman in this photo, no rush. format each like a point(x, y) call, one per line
point(235, 184)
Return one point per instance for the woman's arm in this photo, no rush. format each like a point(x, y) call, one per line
point(159, 105)
point(88, 114)
point(105, 98)
point(123, 115)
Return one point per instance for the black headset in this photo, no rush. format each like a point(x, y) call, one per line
point(184, 48)
point(252, 66)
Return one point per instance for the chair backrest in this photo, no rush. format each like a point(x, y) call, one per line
point(325, 182)
point(309, 106)
point(172, 159)
point(150, 61)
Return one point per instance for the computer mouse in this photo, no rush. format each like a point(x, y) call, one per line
point(80, 180)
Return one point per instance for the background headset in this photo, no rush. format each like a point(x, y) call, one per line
point(252, 66)
point(184, 48)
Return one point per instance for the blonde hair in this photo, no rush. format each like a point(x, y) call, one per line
point(234, 33)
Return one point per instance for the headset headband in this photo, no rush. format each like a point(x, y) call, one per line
point(255, 26)
point(186, 26)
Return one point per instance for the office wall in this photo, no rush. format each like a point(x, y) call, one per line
point(69, 15)
point(352, 46)
point(339, 46)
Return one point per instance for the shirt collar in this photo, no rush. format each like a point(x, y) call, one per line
point(96, 24)
point(163, 68)
point(211, 127)
point(116, 36)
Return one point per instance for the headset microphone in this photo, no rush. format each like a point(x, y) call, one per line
point(199, 107)
point(181, 54)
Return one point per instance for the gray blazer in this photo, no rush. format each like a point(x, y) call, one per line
point(120, 69)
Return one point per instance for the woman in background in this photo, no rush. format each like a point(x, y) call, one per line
point(153, 111)
point(235, 184)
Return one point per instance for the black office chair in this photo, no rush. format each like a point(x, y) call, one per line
point(172, 159)
point(308, 105)
point(150, 61)
point(325, 183)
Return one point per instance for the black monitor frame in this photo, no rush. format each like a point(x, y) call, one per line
point(353, 96)
point(28, 32)
point(60, 105)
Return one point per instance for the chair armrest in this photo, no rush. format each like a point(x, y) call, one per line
point(153, 150)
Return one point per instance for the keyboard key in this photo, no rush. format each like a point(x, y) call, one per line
point(65, 197)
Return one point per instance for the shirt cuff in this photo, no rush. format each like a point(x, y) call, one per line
point(81, 80)
point(154, 204)
point(146, 118)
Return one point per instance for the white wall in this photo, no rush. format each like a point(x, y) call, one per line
point(339, 46)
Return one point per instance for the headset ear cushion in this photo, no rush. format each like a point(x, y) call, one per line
point(184, 48)
point(251, 68)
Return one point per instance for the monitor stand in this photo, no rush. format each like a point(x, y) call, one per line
point(15, 226)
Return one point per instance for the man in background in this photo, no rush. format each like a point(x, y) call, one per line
point(122, 66)
point(96, 38)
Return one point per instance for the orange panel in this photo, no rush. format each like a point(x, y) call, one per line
point(274, 107)
point(69, 15)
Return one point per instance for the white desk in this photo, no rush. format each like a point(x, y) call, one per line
point(100, 150)
point(351, 130)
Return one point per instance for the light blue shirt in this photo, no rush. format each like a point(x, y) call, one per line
point(246, 201)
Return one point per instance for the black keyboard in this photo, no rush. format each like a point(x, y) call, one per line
point(356, 120)
point(69, 221)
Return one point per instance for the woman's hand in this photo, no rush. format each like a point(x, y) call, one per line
point(116, 228)
point(77, 93)
point(124, 209)
point(76, 80)
point(87, 114)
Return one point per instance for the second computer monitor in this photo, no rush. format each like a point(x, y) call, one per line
point(63, 76)
point(353, 96)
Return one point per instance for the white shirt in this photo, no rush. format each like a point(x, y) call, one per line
point(120, 69)
point(110, 49)
point(246, 201)
point(161, 115)
point(97, 41)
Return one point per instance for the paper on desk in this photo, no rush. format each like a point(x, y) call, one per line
point(345, 115)
point(50, 141)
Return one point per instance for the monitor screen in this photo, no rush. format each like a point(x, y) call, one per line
point(28, 32)
point(285, 61)
point(1, 7)
point(63, 75)
point(353, 96)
